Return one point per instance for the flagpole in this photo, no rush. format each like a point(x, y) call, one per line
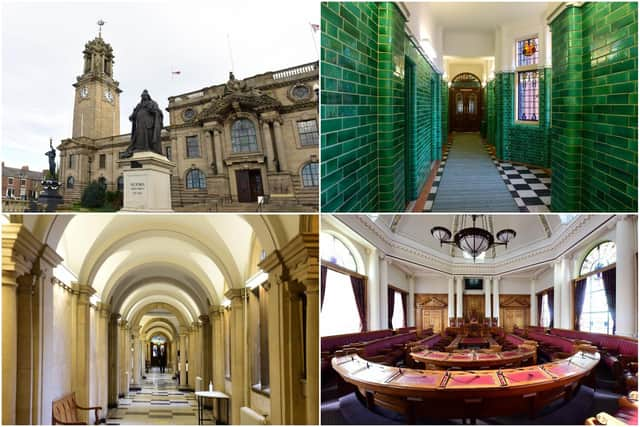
point(230, 52)
point(313, 36)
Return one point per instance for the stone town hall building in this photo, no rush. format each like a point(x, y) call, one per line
point(231, 142)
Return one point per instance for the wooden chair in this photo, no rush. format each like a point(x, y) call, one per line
point(65, 411)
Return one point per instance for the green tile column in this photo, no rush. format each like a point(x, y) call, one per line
point(391, 179)
point(444, 90)
point(566, 110)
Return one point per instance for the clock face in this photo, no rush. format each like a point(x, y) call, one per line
point(108, 95)
point(84, 92)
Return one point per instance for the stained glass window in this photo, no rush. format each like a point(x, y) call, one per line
point(528, 96)
point(527, 52)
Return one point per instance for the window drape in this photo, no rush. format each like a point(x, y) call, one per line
point(609, 282)
point(390, 304)
point(581, 287)
point(540, 308)
point(404, 307)
point(323, 284)
point(357, 284)
point(550, 298)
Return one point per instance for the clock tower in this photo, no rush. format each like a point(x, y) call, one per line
point(96, 111)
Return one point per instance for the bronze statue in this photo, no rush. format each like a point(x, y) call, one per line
point(146, 126)
point(52, 159)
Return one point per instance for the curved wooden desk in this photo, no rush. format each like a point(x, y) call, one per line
point(465, 394)
point(472, 359)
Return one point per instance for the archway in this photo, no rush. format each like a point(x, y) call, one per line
point(465, 103)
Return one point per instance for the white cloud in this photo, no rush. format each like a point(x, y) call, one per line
point(42, 44)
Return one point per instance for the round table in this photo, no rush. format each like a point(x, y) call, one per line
point(215, 395)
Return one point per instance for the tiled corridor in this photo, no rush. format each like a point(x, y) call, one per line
point(158, 402)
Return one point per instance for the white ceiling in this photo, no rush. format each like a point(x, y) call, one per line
point(482, 16)
point(416, 228)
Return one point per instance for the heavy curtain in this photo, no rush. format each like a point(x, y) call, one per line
point(357, 284)
point(323, 284)
point(581, 287)
point(609, 282)
point(540, 295)
point(390, 304)
point(550, 298)
point(404, 307)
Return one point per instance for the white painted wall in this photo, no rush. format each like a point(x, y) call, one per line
point(514, 286)
point(62, 344)
point(432, 285)
point(544, 280)
point(398, 278)
point(505, 42)
point(423, 27)
point(468, 43)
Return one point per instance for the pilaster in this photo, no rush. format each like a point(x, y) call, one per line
point(237, 296)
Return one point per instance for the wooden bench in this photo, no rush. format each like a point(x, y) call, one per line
point(65, 411)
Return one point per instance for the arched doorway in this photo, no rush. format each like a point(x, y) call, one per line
point(465, 103)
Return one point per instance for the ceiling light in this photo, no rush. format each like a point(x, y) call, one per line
point(473, 240)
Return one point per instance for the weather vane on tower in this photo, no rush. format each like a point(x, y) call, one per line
point(100, 24)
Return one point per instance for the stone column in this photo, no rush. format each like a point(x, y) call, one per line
point(411, 310)
point(81, 371)
point(173, 368)
point(487, 301)
point(312, 350)
point(626, 321)
point(217, 147)
point(281, 147)
point(459, 300)
point(208, 149)
point(114, 360)
point(183, 357)
point(136, 354)
point(207, 362)
point(217, 346)
point(238, 349)
point(373, 291)
point(450, 299)
point(268, 146)
point(533, 321)
point(124, 357)
point(384, 287)
point(26, 329)
point(496, 298)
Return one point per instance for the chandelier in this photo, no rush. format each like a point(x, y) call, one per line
point(473, 240)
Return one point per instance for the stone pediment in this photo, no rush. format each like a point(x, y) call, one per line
point(239, 101)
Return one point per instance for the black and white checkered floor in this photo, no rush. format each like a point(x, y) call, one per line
point(158, 402)
point(530, 188)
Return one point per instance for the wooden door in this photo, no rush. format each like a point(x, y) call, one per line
point(514, 311)
point(432, 318)
point(473, 308)
point(244, 186)
point(465, 109)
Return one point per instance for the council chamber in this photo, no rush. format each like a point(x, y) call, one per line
point(479, 319)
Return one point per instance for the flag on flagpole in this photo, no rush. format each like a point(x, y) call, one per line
point(315, 27)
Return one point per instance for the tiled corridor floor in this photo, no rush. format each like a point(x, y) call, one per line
point(470, 179)
point(158, 402)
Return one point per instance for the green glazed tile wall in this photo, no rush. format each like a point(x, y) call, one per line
point(391, 112)
point(523, 143)
point(349, 106)
point(444, 109)
point(610, 107)
point(594, 138)
point(363, 136)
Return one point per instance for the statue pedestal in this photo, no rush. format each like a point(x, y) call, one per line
point(147, 183)
point(49, 196)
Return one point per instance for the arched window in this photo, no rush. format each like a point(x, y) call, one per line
point(595, 291)
point(599, 257)
point(243, 136)
point(343, 304)
point(310, 175)
point(120, 183)
point(196, 179)
point(70, 182)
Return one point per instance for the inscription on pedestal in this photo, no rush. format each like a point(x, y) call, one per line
point(136, 189)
